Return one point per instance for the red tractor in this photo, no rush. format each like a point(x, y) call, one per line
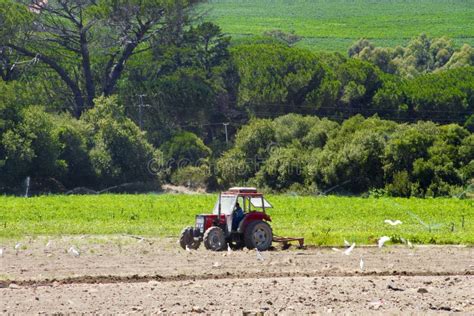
point(219, 229)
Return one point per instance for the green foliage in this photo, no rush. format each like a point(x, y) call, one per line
point(89, 42)
point(75, 143)
point(283, 168)
point(192, 177)
point(400, 185)
point(191, 78)
point(271, 75)
point(289, 39)
point(13, 16)
point(253, 143)
point(422, 159)
point(185, 149)
point(256, 139)
point(120, 152)
point(421, 55)
point(351, 159)
point(30, 147)
point(292, 128)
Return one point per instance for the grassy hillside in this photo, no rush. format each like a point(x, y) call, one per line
point(322, 221)
point(336, 24)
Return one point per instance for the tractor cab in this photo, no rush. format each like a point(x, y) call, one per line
point(249, 200)
point(219, 229)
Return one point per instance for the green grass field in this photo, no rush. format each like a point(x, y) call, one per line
point(335, 24)
point(322, 221)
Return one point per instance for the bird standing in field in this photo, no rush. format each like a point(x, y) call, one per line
point(17, 248)
point(361, 264)
point(382, 241)
point(73, 251)
point(259, 255)
point(229, 250)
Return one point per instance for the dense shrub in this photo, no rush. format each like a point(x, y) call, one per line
point(360, 155)
point(120, 151)
point(192, 177)
point(185, 149)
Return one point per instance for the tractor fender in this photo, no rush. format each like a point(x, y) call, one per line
point(251, 217)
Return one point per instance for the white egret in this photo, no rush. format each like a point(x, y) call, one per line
point(349, 250)
point(393, 223)
point(383, 240)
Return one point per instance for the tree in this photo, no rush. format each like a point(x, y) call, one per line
point(29, 147)
point(289, 39)
point(421, 55)
point(276, 77)
point(185, 149)
point(406, 145)
point(253, 145)
point(185, 82)
point(120, 152)
point(352, 157)
point(284, 167)
point(87, 43)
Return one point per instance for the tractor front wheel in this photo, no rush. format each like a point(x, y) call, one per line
point(258, 234)
point(214, 239)
point(187, 239)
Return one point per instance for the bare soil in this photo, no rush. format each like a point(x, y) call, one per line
point(131, 275)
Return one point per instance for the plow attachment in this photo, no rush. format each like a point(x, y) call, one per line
point(286, 241)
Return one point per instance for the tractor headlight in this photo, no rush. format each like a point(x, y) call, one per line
point(200, 223)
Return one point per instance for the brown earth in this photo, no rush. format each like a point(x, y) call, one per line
point(131, 275)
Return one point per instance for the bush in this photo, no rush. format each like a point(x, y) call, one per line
point(185, 149)
point(361, 155)
point(400, 186)
point(73, 136)
point(120, 151)
point(234, 169)
point(284, 167)
point(192, 177)
point(292, 127)
point(30, 148)
point(253, 144)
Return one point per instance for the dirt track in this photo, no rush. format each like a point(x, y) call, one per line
point(123, 275)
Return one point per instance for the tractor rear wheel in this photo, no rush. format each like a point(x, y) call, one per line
point(187, 239)
point(214, 239)
point(258, 234)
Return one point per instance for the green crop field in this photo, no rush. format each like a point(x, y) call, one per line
point(322, 221)
point(336, 24)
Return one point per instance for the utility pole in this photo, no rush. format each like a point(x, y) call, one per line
point(226, 133)
point(140, 110)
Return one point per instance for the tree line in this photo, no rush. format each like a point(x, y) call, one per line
point(99, 93)
point(307, 154)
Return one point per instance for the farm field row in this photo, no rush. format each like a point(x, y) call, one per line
point(321, 220)
point(335, 24)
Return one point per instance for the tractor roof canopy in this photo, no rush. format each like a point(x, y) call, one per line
point(229, 198)
point(243, 190)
